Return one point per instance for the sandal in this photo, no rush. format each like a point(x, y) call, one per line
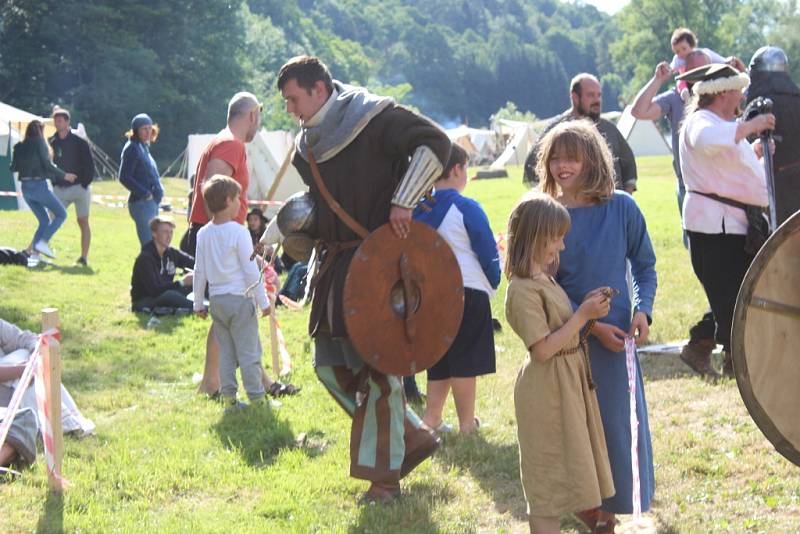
point(279, 389)
point(588, 518)
point(380, 493)
point(606, 527)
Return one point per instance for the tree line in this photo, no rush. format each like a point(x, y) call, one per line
point(454, 60)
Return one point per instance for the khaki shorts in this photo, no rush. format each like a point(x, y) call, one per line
point(77, 194)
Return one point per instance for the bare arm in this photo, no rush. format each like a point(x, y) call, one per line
point(217, 166)
point(11, 372)
point(643, 106)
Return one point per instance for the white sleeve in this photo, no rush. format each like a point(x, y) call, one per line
point(715, 58)
point(199, 282)
point(13, 338)
point(244, 249)
point(710, 136)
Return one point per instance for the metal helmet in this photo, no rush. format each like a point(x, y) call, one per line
point(769, 59)
point(298, 214)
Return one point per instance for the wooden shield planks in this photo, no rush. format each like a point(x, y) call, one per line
point(765, 339)
point(385, 275)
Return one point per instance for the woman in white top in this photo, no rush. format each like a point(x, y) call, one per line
point(716, 159)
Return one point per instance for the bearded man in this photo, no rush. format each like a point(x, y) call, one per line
point(586, 96)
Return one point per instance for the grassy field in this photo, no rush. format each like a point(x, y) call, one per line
point(166, 460)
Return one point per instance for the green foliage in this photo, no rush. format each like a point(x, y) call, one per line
point(454, 60)
point(729, 27)
point(510, 112)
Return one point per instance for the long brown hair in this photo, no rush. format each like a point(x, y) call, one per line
point(537, 220)
point(578, 140)
point(35, 130)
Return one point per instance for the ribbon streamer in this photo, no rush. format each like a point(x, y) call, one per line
point(630, 359)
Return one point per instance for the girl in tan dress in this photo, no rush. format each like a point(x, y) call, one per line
point(563, 459)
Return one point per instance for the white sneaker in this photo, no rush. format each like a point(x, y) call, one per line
point(44, 248)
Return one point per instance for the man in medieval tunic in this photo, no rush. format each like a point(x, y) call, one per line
point(377, 159)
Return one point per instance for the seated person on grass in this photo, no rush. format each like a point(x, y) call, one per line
point(16, 347)
point(20, 444)
point(152, 283)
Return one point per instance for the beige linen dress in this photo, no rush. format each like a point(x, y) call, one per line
point(563, 458)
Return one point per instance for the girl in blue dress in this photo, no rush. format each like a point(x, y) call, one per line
point(608, 232)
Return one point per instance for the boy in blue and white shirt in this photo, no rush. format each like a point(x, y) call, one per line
point(463, 224)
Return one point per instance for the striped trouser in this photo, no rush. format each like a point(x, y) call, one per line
point(385, 431)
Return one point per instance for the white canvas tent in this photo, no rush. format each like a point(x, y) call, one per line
point(13, 122)
point(643, 136)
point(265, 155)
point(481, 145)
point(521, 140)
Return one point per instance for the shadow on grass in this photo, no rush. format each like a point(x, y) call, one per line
point(51, 519)
point(256, 434)
point(66, 269)
point(665, 367)
point(494, 466)
point(161, 323)
point(410, 513)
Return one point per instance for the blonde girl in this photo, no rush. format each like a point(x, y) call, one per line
point(563, 460)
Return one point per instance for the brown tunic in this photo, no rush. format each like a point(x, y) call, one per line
point(363, 178)
point(562, 450)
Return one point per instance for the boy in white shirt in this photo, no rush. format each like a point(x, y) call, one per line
point(223, 262)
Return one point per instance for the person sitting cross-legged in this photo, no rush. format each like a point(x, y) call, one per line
point(152, 283)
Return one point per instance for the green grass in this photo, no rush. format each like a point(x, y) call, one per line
point(167, 460)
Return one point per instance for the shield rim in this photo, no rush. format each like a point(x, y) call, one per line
point(757, 412)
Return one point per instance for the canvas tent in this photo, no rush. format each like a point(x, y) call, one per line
point(521, 138)
point(643, 137)
point(265, 155)
point(13, 122)
point(481, 145)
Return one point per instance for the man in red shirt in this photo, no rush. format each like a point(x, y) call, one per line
point(226, 154)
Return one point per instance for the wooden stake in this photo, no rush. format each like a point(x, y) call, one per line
point(53, 395)
point(279, 176)
point(273, 341)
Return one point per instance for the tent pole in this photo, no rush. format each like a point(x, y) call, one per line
point(279, 176)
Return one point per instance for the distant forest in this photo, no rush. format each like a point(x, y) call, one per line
point(454, 60)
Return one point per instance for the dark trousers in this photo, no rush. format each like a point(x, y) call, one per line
point(720, 263)
point(171, 298)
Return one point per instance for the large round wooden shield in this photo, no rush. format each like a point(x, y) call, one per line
point(403, 299)
point(766, 339)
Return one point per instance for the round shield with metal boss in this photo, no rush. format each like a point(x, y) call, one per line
point(765, 339)
point(403, 299)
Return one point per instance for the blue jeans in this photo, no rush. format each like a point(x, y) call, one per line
point(41, 199)
point(142, 211)
point(295, 283)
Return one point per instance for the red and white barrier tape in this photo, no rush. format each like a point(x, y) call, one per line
point(38, 366)
point(630, 360)
point(45, 415)
point(100, 199)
